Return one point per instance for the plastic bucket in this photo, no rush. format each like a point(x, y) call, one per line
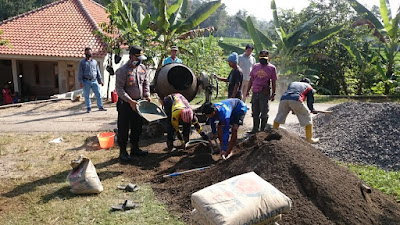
point(106, 139)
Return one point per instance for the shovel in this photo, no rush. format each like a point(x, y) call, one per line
point(327, 115)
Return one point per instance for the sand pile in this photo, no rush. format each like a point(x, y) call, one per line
point(322, 192)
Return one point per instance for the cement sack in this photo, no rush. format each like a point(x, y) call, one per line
point(199, 219)
point(244, 199)
point(83, 177)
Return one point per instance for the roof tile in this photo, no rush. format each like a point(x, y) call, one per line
point(63, 28)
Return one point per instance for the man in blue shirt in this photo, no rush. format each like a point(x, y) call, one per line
point(228, 112)
point(173, 58)
point(89, 78)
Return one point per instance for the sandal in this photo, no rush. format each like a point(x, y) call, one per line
point(127, 205)
point(129, 187)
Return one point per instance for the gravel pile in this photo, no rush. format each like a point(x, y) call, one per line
point(366, 133)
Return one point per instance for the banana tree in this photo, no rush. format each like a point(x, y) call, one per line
point(172, 24)
point(387, 33)
point(289, 46)
point(363, 59)
point(168, 22)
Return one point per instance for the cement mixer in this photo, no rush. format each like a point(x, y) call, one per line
point(178, 78)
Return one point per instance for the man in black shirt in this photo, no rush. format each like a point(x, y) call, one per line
point(235, 77)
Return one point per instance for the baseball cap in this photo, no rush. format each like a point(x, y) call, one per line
point(174, 48)
point(138, 52)
point(263, 54)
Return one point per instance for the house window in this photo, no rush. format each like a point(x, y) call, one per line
point(37, 74)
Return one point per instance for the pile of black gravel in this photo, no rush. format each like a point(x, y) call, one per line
point(366, 133)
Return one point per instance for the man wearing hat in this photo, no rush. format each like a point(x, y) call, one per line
point(172, 58)
point(235, 77)
point(262, 74)
point(293, 99)
point(131, 85)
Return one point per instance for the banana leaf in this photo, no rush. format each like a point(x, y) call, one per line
point(393, 33)
point(228, 48)
point(162, 19)
point(253, 34)
point(174, 8)
point(321, 36)
point(145, 22)
point(353, 51)
point(278, 28)
point(294, 37)
point(386, 14)
point(199, 16)
point(139, 16)
point(265, 41)
point(360, 9)
point(183, 12)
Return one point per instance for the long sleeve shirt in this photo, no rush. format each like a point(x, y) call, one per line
point(226, 109)
point(299, 91)
point(132, 82)
point(89, 69)
point(178, 103)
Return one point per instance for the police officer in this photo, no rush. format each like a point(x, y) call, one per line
point(131, 85)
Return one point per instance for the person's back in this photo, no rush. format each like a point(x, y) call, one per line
point(228, 107)
point(297, 91)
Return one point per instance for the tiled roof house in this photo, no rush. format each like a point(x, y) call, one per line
point(47, 45)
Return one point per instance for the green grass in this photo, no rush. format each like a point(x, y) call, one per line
point(35, 190)
point(387, 182)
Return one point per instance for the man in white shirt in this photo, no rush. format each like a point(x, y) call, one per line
point(246, 63)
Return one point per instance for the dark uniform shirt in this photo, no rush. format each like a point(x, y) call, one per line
point(132, 83)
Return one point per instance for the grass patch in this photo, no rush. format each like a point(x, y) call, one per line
point(387, 182)
point(34, 187)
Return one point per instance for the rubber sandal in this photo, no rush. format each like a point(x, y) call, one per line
point(129, 187)
point(127, 205)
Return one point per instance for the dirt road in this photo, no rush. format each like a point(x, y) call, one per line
point(68, 116)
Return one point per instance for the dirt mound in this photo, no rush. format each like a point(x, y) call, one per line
point(322, 192)
point(366, 133)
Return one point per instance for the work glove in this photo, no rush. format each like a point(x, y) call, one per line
point(204, 136)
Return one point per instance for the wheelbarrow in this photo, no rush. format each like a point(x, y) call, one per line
point(154, 116)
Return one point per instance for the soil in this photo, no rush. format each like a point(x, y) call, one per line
point(322, 192)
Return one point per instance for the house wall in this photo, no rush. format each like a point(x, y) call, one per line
point(68, 75)
point(38, 78)
point(109, 81)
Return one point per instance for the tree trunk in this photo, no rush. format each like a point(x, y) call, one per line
point(343, 81)
point(360, 84)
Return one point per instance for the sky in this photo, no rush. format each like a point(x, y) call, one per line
point(262, 8)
